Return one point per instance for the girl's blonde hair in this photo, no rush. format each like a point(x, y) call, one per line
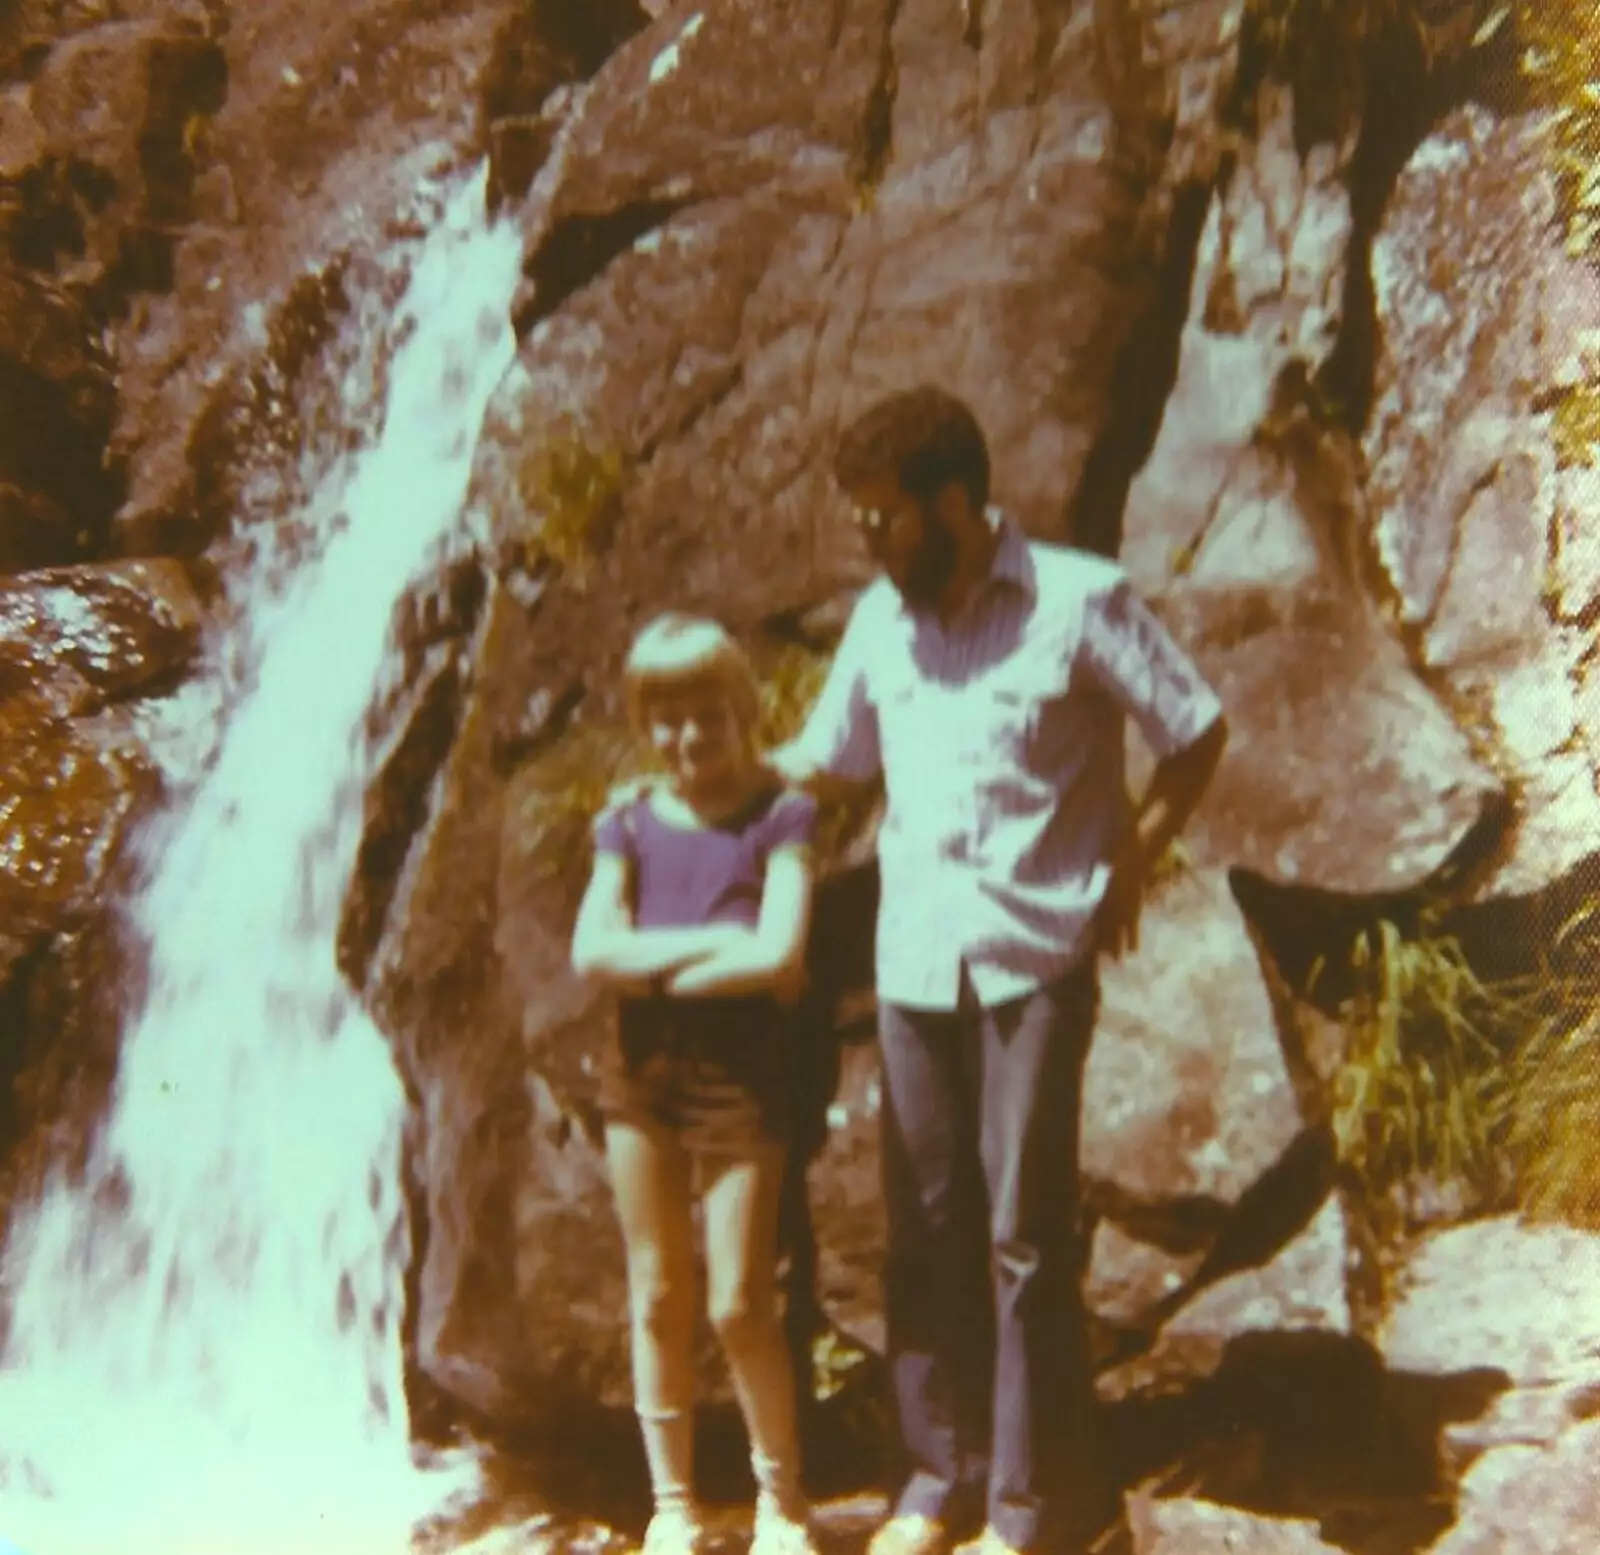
point(676, 651)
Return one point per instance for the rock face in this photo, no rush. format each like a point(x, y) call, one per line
point(717, 279)
point(1474, 513)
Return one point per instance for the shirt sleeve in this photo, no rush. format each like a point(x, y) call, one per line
point(611, 833)
point(1136, 661)
point(840, 737)
point(793, 821)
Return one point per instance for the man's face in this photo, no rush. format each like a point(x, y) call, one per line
point(907, 538)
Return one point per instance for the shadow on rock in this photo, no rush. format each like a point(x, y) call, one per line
point(1304, 1425)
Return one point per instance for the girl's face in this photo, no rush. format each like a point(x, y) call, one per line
point(698, 734)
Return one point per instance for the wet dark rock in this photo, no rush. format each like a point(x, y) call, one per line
point(119, 109)
point(539, 50)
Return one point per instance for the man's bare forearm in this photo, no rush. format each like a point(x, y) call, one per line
point(1176, 788)
point(799, 770)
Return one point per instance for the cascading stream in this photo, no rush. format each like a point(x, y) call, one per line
point(214, 1368)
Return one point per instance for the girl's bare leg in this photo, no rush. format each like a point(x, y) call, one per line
point(740, 1205)
point(650, 1177)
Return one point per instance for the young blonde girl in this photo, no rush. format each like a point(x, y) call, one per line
point(697, 914)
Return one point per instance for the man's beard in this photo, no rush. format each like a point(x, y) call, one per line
point(932, 565)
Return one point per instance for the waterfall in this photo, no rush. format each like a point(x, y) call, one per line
point(213, 1365)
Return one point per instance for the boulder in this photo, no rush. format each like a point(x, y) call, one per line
point(540, 52)
point(1344, 773)
point(1465, 480)
point(1187, 1092)
point(78, 645)
point(1515, 1301)
point(1544, 1502)
point(1182, 1525)
point(84, 637)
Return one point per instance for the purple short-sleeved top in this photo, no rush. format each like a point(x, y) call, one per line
point(715, 1065)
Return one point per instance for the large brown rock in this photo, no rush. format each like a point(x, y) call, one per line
point(755, 220)
point(1499, 1297)
point(1466, 490)
point(1344, 772)
point(1188, 1093)
point(77, 646)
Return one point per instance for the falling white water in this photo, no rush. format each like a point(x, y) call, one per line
point(214, 1368)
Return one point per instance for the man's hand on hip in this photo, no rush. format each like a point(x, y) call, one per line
point(1117, 922)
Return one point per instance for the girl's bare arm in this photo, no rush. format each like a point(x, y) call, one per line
point(772, 958)
point(608, 948)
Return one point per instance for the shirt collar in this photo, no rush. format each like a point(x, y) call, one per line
point(1013, 561)
point(1012, 564)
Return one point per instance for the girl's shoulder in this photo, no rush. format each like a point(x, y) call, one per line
point(615, 827)
point(790, 817)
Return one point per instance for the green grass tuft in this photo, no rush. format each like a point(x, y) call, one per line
point(1551, 1114)
point(568, 489)
point(1419, 1095)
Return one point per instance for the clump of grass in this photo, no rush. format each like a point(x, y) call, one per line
point(1561, 63)
point(1552, 1109)
point(1420, 1094)
point(1577, 427)
point(569, 489)
point(1492, 1086)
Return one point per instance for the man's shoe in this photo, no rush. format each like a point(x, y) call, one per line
point(910, 1534)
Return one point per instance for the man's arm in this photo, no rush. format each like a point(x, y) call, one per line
point(837, 749)
point(1137, 662)
point(1176, 787)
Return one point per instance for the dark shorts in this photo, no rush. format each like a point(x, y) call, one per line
point(715, 1072)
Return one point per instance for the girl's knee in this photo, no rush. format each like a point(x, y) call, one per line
point(742, 1313)
point(663, 1305)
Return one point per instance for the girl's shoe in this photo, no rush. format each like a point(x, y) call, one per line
point(673, 1533)
point(778, 1533)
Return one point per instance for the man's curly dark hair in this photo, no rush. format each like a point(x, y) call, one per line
point(924, 438)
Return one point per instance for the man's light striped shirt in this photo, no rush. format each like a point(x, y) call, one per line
point(1000, 739)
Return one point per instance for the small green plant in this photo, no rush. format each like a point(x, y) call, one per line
point(790, 685)
point(1577, 426)
point(1420, 1090)
point(1561, 61)
point(559, 794)
point(568, 489)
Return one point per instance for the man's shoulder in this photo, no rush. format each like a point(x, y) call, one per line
point(877, 609)
point(1068, 570)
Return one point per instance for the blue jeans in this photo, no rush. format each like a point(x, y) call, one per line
point(987, 1333)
